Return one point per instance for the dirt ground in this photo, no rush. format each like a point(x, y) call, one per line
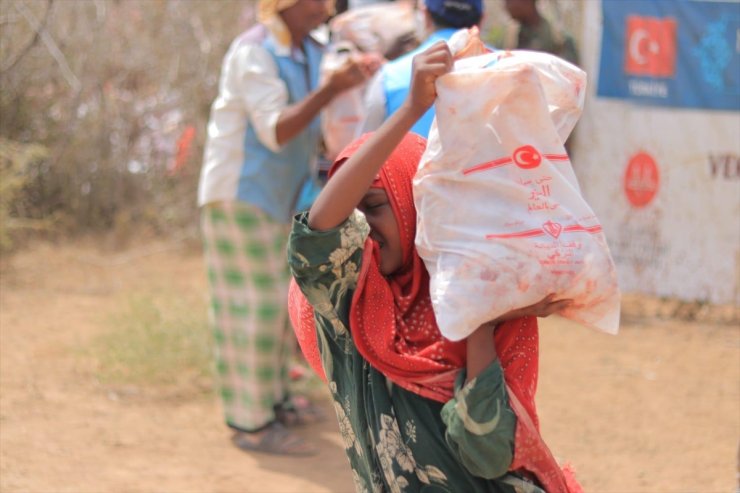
point(654, 409)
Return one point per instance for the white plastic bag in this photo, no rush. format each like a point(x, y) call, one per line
point(501, 220)
point(374, 28)
point(341, 118)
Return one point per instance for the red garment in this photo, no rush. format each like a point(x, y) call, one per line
point(391, 319)
point(393, 325)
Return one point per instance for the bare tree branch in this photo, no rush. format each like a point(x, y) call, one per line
point(51, 45)
point(32, 43)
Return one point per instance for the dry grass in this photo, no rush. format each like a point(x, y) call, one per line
point(156, 342)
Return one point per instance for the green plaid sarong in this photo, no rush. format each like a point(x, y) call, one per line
point(245, 254)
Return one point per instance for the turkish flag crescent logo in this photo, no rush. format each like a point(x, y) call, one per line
point(650, 46)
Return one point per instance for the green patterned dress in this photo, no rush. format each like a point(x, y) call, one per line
point(397, 441)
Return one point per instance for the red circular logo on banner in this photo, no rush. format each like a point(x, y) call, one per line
point(527, 157)
point(641, 179)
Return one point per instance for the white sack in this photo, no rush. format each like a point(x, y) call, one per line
point(375, 27)
point(501, 219)
point(342, 117)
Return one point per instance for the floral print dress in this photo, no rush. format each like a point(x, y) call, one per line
point(397, 441)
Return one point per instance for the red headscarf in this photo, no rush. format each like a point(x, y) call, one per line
point(391, 319)
point(393, 325)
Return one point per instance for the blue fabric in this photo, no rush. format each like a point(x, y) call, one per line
point(397, 78)
point(308, 194)
point(453, 11)
point(705, 67)
point(275, 182)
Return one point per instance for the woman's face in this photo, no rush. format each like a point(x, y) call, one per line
point(383, 229)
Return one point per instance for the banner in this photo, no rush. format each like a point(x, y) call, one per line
point(663, 180)
point(677, 53)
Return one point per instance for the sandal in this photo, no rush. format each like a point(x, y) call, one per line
point(274, 439)
point(298, 411)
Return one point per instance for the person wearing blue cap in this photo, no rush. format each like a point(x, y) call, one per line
point(437, 20)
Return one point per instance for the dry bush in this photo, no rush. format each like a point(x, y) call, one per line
point(112, 89)
point(118, 93)
point(16, 162)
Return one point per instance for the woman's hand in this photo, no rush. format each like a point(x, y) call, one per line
point(348, 185)
point(543, 308)
point(481, 350)
point(428, 66)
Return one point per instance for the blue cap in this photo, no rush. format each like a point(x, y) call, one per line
point(455, 12)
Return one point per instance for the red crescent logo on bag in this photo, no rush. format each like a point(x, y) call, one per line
point(650, 46)
point(641, 179)
point(527, 157)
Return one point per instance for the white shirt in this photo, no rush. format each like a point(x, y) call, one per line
point(250, 93)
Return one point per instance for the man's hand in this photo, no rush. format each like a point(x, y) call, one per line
point(354, 71)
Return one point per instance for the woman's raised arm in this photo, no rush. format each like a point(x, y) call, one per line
point(347, 187)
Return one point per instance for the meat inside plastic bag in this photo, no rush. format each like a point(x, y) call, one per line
point(501, 219)
point(343, 116)
point(374, 27)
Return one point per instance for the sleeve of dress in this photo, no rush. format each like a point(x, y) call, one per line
point(325, 264)
point(480, 423)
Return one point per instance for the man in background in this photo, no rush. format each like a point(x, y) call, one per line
point(532, 31)
point(437, 21)
point(263, 136)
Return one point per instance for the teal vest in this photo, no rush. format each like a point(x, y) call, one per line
point(282, 183)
